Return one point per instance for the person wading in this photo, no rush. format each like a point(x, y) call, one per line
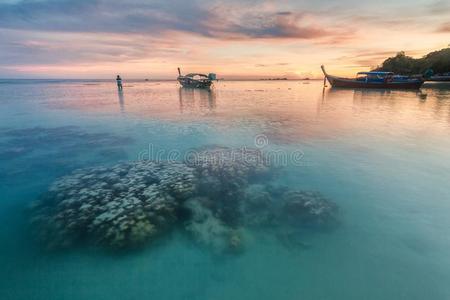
point(119, 83)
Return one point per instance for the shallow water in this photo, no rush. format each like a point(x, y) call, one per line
point(382, 157)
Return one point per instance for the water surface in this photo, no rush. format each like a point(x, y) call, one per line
point(382, 156)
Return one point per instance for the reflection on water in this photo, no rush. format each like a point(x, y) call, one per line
point(416, 104)
point(121, 101)
point(374, 93)
point(190, 98)
point(289, 106)
point(381, 156)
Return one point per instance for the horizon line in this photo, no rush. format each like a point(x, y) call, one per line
point(161, 79)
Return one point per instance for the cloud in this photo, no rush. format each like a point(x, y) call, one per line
point(246, 37)
point(244, 21)
point(126, 16)
point(24, 47)
point(278, 26)
point(209, 19)
point(444, 28)
point(62, 32)
point(271, 65)
point(439, 7)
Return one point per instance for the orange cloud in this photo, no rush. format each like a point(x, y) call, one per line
point(444, 28)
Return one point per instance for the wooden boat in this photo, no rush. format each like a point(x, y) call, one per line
point(196, 80)
point(375, 80)
point(440, 78)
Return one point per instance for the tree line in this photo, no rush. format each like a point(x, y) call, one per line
point(438, 61)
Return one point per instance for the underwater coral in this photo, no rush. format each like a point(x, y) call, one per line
point(213, 196)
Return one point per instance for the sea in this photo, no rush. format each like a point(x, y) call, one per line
point(382, 157)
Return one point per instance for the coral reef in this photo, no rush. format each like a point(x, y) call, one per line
point(223, 175)
point(212, 196)
point(122, 206)
point(228, 163)
point(264, 205)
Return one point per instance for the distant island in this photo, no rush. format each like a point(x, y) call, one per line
point(438, 61)
point(284, 78)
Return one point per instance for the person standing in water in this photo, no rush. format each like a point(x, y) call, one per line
point(119, 83)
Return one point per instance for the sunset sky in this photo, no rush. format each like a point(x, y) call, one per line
point(235, 39)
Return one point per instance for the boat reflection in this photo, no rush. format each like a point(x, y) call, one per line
point(285, 112)
point(196, 99)
point(372, 94)
point(352, 103)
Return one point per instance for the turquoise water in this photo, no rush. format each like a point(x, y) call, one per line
point(382, 157)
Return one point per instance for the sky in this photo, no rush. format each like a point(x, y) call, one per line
point(235, 39)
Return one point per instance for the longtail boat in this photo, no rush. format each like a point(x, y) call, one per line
point(196, 80)
point(440, 77)
point(375, 80)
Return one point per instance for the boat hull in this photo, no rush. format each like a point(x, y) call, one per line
point(196, 84)
point(413, 83)
point(349, 83)
point(439, 79)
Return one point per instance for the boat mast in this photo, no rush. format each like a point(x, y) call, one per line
point(325, 76)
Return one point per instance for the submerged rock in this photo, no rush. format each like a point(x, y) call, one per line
point(258, 206)
point(235, 241)
point(308, 209)
point(205, 228)
point(292, 240)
